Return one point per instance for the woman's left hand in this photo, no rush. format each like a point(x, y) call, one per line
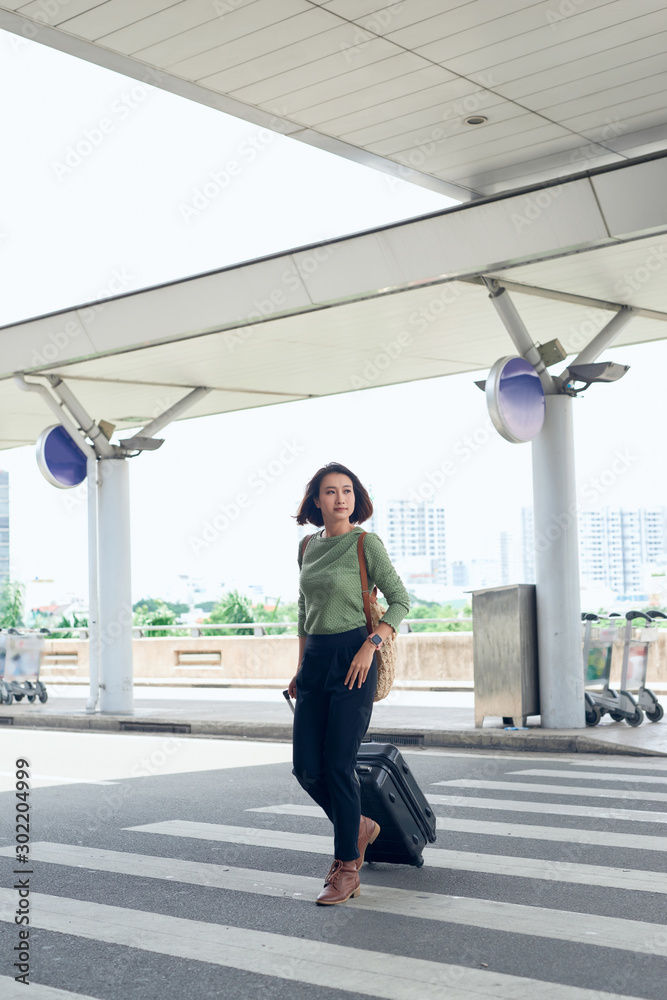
point(361, 664)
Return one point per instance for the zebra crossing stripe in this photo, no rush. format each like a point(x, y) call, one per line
point(609, 932)
point(552, 808)
point(11, 990)
point(297, 959)
point(504, 805)
point(645, 764)
point(562, 834)
point(491, 864)
point(620, 795)
point(642, 779)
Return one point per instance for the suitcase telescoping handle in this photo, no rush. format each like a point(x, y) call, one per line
point(288, 699)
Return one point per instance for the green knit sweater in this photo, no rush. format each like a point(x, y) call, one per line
point(330, 598)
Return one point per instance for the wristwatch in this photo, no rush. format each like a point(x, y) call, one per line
point(376, 640)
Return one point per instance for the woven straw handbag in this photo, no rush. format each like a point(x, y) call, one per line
point(386, 654)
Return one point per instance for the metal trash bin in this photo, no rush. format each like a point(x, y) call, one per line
point(504, 642)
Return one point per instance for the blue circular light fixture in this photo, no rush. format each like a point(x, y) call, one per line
point(59, 459)
point(515, 399)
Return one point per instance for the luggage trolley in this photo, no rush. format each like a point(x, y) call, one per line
point(598, 646)
point(636, 647)
point(20, 658)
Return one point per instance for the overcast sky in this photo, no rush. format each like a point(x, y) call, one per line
point(72, 229)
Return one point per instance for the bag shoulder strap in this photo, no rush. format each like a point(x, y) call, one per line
point(364, 582)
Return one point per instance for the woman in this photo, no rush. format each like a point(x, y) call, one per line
point(336, 677)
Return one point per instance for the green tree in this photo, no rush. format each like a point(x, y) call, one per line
point(280, 613)
point(160, 614)
point(430, 609)
point(232, 607)
point(11, 604)
point(75, 623)
point(157, 604)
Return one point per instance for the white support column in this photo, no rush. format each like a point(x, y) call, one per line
point(115, 593)
point(557, 569)
point(93, 590)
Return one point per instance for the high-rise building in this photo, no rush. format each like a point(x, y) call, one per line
point(4, 526)
point(615, 544)
point(460, 574)
point(414, 536)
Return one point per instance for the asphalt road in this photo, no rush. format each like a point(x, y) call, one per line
point(163, 880)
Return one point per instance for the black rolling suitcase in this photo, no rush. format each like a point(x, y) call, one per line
point(391, 796)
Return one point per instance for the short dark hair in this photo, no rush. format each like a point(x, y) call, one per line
point(309, 512)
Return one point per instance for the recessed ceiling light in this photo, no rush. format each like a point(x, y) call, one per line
point(476, 120)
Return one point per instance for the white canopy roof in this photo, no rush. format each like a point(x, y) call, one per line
point(390, 85)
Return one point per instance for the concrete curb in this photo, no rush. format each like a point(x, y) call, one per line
point(535, 740)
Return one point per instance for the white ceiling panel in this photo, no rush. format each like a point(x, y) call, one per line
point(268, 42)
point(582, 88)
point(469, 26)
point(441, 137)
point(372, 68)
point(561, 152)
point(626, 273)
point(252, 71)
point(103, 18)
point(397, 15)
point(175, 19)
point(334, 74)
point(405, 115)
point(287, 87)
point(459, 148)
point(570, 41)
point(374, 95)
point(54, 13)
point(621, 112)
point(228, 30)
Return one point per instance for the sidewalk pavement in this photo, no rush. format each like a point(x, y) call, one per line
point(435, 716)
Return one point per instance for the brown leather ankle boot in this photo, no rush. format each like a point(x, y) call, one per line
point(341, 882)
point(368, 832)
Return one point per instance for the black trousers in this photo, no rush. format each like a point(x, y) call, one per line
point(329, 723)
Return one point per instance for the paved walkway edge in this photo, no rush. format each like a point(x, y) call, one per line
point(535, 739)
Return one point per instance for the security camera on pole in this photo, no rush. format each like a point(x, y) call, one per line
point(527, 403)
point(74, 449)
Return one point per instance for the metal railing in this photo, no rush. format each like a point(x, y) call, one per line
point(196, 631)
